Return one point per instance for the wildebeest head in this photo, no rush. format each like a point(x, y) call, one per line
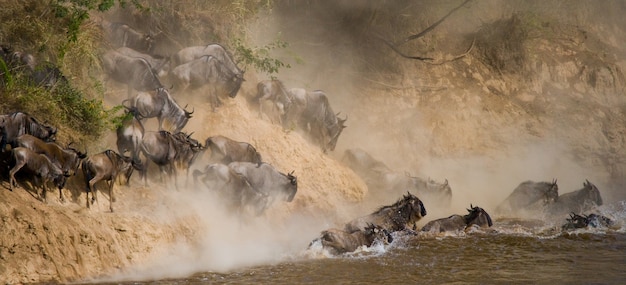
point(334, 130)
point(410, 208)
point(293, 181)
point(552, 192)
point(592, 193)
point(477, 216)
point(375, 233)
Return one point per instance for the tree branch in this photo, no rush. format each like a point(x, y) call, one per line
point(422, 33)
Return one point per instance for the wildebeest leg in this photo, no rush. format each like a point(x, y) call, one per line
point(111, 197)
point(92, 186)
point(213, 98)
point(12, 172)
point(61, 197)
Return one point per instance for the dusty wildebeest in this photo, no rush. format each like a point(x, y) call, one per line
point(18, 123)
point(160, 104)
point(135, 72)
point(226, 150)
point(40, 166)
point(188, 54)
point(190, 149)
point(576, 221)
point(122, 35)
point(527, 194)
point(160, 65)
point(166, 150)
point(578, 201)
point(274, 92)
point(106, 166)
point(311, 112)
point(337, 241)
point(130, 133)
point(429, 190)
point(476, 216)
point(267, 179)
point(401, 215)
point(233, 187)
point(207, 71)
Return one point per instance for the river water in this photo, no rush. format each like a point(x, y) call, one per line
point(512, 251)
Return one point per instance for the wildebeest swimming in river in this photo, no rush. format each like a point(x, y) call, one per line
point(527, 194)
point(581, 200)
point(476, 216)
point(576, 221)
point(401, 215)
point(338, 241)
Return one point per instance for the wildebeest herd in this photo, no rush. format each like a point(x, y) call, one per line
point(234, 170)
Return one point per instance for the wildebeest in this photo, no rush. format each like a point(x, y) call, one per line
point(454, 223)
point(130, 133)
point(337, 241)
point(527, 194)
point(135, 72)
point(68, 158)
point(160, 65)
point(401, 215)
point(207, 71)
point(187, 153)
point(165, 150)
point(576, 221)
point(39, 165)
point(44, 74)
point(160, 104)
point(188, 54)
point(106, 166)
point(266, 179)
point(312, 113)
point(16, 124)
point(122, 35)
point(430, 191)
point(274, 92)
point(226, 150)
point(48, 75)
point(233, 187)
point(364, 164)
point(581, 200)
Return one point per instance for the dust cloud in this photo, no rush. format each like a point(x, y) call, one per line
point(407, 114)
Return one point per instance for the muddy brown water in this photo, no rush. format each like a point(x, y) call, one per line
point(508, 253)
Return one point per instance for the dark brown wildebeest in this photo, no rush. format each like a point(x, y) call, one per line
point(135, 72)
point(233, 187)
point(130, 133)
point(311, 112)
point(400, 216)
point(16, 124)
point(106, 166)
point(266, 179)
point(527, 194)
point(337, 241)
point(39, 165)
point(225, 150)
point(476, 216)
point(67, 158)
point(274, 92)
point(578, 201)
point(189, 54)
point(207, 71)
point(160, 65)
point(122, 35)
point(576, 221)
point(160, 104)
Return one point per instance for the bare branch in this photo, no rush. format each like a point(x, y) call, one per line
point(456, 57)
point(394, 48)
point(422, 33)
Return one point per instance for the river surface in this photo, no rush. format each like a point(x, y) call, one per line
point(512, 251)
